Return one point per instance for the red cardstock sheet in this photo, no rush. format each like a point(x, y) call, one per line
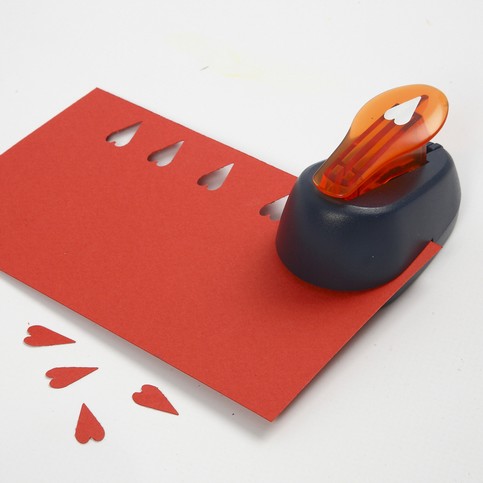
point(188, 274)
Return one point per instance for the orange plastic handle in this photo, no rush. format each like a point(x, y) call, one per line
point(380, 145)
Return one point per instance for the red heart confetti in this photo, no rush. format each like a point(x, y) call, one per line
point(152, 397)
point(41, 336)
point(88, 427)
point(64, 376)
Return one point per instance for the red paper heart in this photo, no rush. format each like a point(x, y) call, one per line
point(41, 336)
point(88, 427)
point(152, 397)
point(63, 376)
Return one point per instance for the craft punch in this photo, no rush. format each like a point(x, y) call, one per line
point(358, 219)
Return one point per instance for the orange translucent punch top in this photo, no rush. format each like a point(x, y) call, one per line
point(387, 138)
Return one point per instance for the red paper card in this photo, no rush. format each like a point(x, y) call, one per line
point(187, 274)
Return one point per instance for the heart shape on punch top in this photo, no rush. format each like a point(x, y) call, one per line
point(151, 397)
point(41, 336)
point(88, 427)
point(402, 113)
point(64, 376)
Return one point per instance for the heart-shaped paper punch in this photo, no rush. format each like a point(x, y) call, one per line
point(357, 220)
point(151, 397)
point(64, 376)
point(88, 427)
point(41, 336)
point(387, 139)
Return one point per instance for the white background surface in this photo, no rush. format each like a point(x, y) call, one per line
point(280, 80)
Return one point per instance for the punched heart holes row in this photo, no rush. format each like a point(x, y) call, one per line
point(213, 180)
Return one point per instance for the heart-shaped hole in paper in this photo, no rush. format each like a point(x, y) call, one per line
point(274, 209)
point(215, 179)
point(165, 156)
point(402, 113)
point(123, 136)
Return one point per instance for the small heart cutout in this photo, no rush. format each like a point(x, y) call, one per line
point(402, 113)
point(88, 427)
point(274, 209)
point(41, 336)
point(64, 376)
point(123, 136)
point(215, 179)
point(152, 397)
point(164, 156)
